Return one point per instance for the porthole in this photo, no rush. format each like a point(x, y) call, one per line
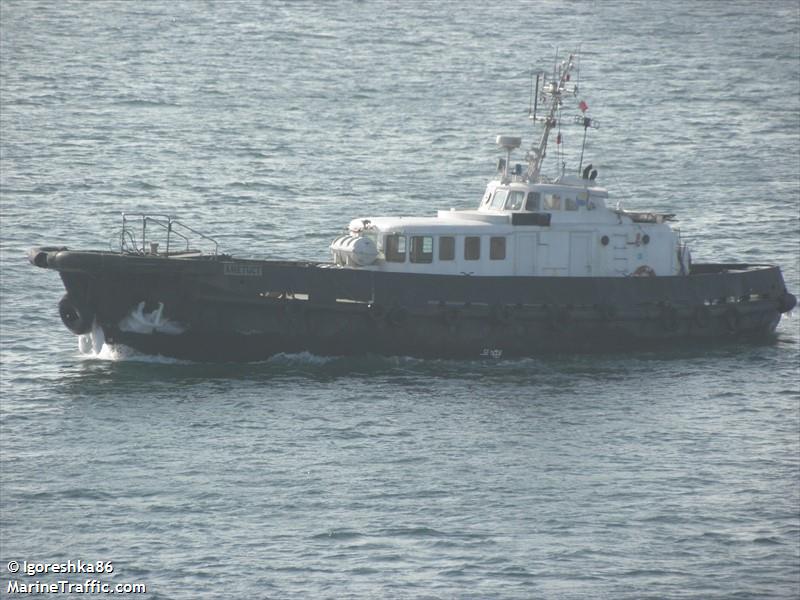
point(604, 240)
point(645, 239)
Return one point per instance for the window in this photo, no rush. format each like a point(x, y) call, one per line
point(570, 203)
point(395, 248)
point(515, 200)
point(447, 248)
point(421, 249)
point(552, 202)
point(499, 198)
point(534, 201)
point(497, 248)
point(472, 248)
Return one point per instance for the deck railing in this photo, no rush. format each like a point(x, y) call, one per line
point(177, 237)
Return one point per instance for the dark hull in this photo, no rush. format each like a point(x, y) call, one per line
point(237, 310)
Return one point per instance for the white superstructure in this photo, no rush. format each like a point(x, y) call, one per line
point(524, 225)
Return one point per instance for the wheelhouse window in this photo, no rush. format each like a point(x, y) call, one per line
point(552, 202)
point(499, 199)
point(421, 249)
point(570, 203)
point(447, 248)
point(534, 201)
point(515, 200)
point(497, 248)
point(472, 248)
point(395, 248)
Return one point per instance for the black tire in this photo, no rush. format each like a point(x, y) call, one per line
point(40, 259)
point(607, 311)
point(702, 316)
point(732, 319)
point(38, 256)
point(76, 316)
point(669, 319)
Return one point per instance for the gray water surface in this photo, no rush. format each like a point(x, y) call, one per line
point(671, 474)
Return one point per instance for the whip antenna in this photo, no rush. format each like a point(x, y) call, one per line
point(530, 103)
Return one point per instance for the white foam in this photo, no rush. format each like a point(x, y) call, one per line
point(139, 321)
point(85, 343)
point(93, 344)
point(301, 357)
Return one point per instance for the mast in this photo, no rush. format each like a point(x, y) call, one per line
point(552, 92)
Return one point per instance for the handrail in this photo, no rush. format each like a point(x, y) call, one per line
point(167, 223)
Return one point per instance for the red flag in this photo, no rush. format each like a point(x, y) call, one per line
point(583, 106)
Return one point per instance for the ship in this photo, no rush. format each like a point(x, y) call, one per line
point(543, 264)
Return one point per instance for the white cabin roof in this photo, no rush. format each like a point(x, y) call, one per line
point(445, 221)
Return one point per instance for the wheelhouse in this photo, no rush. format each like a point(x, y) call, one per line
point(525, 224)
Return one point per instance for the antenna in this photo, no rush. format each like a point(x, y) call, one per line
point(530, 104)
point(552, 94)
point(555, 64)
point(586, 123)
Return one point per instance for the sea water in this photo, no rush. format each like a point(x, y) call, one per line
point(269, 126)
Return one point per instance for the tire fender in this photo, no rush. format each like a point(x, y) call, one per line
point(702, 316)
point(669, 319)
point(732, 319)
point(76, 315)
